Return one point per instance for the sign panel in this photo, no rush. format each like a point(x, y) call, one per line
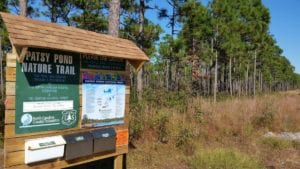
point(122, 137)
point(47, 91)
point(102, 63)
point(103, 97)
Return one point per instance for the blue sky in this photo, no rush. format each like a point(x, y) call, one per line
point(285, 25)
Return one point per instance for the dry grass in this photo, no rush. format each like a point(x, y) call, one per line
point(237, 123)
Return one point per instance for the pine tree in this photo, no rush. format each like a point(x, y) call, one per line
point(90, 15)
point(114, 18)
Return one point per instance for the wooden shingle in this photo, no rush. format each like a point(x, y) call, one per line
point(24, 32)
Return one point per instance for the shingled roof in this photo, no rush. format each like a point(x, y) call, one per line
point(25, 32)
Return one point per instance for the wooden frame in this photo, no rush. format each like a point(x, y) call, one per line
point(14, 143)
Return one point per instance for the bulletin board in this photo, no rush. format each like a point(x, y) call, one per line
point(72, 90)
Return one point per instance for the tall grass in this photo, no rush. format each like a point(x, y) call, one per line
point(239, 123)
point(223, 159)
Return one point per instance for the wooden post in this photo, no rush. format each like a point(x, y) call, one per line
point(118, 162)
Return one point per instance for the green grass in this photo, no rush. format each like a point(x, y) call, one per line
point(223, 159)
point(277, 143)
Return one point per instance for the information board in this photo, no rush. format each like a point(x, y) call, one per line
point(47, 91)
point(102, 63)
point(103, 97)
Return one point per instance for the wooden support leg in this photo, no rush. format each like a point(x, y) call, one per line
point(118, 163)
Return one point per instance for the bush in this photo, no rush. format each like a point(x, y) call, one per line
point(296, 145)
point(185, 135)
point(264, 120)
point(277, 143)
point(160, 98)
point(223, 159)
point(136, 123)
point(199, 115)
point(160, 125)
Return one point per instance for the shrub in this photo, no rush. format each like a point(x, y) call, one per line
point(160, 125)
point(199, 115)
point(277, 143)
point(223, 159)
point(185, 135)
point(296, 145)
point(136, 124)
point(264, 120)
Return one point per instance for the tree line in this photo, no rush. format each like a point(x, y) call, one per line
point(224, 47)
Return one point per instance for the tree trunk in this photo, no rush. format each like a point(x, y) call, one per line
point(247, 79)
point(114, 18)
point(23, 7)
point(230, 75)
point(216, 78)
point(140, 75)
point(254, 75)
point(208, 78)
point(168, 74)
point(260, 81)
point(210, 69)
point(1, 69)
point(239, 87)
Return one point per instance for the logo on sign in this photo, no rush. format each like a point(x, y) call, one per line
point(26, 119)
point(68, 117)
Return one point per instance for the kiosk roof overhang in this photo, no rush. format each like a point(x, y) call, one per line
point(24, 32)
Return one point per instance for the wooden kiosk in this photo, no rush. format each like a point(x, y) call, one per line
point(67, 95)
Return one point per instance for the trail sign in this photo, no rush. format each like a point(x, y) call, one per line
point(47, 91)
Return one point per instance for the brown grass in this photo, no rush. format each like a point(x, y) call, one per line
point(237, 123)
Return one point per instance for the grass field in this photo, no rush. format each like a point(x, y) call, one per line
point(195, 133)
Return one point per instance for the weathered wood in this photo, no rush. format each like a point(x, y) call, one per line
point(11, 60)
point(31, 33)
point(22, 54)
point(136, 64)
point(9, 116)
point(127, 90)
point(80, 89)
point(10, 103)
point(10, 132)
point(10, 88)
point(17, 143)
point(118, 162)
point(10, 74)
point(10, 63)
point(16, 160)
point(11, 56)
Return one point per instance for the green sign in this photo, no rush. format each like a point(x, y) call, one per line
point(47, 91)
point(102, 63)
